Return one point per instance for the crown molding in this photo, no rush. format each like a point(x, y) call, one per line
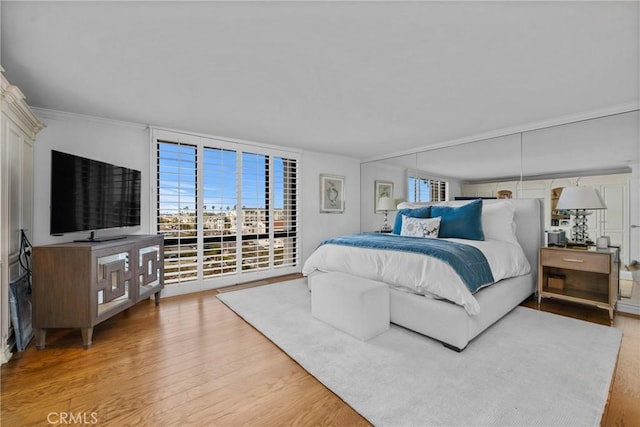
point(248, 143)
point(15, 102)
point(514, 130)
point(64, 115)
point(559, 175)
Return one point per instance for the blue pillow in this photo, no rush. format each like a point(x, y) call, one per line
point(462, 222)
point(414, 213)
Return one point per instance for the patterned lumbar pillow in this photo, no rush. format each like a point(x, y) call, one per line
point(420, 227)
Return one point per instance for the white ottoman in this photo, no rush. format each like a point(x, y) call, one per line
point(352, 304)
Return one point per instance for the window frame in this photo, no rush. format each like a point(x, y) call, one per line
point(424, 176)
point(201, 142)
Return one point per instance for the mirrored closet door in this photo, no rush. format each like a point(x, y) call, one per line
point(602, 153)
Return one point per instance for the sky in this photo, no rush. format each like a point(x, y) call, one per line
point(424, 190)
point(177, 176)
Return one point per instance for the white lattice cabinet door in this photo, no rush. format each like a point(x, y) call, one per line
point(19, 127)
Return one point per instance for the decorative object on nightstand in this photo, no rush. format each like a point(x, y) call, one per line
point(579, 200)
point(556, 238)
point(386, 204)
point(603, 242)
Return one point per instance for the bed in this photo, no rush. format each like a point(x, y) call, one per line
point(453, 315)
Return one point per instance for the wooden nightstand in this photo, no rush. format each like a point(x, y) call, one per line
point(582, 276)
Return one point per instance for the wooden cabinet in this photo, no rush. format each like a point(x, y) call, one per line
point(582, 276)
point(19, 127)
point(80, 284)
point(558, 218)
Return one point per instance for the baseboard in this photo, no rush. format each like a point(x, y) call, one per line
point(5, 354)
point(625, 275)
point(628, 308)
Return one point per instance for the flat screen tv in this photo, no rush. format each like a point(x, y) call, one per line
point(89, 195)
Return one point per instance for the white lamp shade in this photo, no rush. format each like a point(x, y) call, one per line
point(580, 198)
point(386, 204)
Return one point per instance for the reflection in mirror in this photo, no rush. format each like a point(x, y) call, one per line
point(591, 147)
point(491, 160)
point(603, 152)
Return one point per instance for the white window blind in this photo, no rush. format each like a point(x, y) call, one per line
point(225, 210)
point(177, 219)
point(421, 189)
point(285, 214)
point(218, 212)
point(255, 211)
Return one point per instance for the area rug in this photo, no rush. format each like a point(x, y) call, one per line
point(530, 368)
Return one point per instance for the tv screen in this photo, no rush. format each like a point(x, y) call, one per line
point(91, 195)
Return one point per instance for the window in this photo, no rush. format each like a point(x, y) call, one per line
point(225, 209)
point(176, 200)
point(220, 195)
point(421, 189)
point(285, 218)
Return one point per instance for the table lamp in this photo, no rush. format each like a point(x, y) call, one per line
point(386, 204)
point(578, 200)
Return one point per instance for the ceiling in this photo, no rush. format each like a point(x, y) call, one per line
point(360, 79)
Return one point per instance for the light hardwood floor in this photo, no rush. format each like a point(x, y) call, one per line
point(192, 361)
point(623, 408)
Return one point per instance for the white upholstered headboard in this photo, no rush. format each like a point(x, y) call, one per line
point(528, 218)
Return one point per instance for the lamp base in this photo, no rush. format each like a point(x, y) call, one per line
point(385, 227)
point(577, 245)
point(580, 229)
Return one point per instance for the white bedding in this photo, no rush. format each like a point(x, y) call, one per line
point(419, 273)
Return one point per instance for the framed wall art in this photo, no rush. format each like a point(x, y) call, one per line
point(382, 189)
point(331, 193)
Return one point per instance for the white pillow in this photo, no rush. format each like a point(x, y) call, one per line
point(415, 205)
point(497, 221)
point(420, 227)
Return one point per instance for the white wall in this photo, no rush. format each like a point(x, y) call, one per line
point(127, 144)
point(120, 143)
point(634, 212)
point(395, 172)
point(318, 226)
point(372, 172)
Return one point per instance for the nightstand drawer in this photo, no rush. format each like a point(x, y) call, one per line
point(576, 260)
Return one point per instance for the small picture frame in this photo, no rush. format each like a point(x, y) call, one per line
point(331, 193)
point(382, 189)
